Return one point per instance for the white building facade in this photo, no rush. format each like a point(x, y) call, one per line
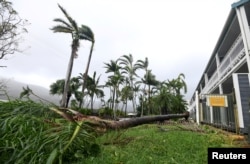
point(222, 96)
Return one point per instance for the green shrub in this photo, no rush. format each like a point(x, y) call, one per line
point(105, 112)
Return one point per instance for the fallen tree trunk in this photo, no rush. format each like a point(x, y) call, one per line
point(94, 121)
point(143, 120)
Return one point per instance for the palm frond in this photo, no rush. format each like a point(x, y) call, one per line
point(128, 58)
point(62, 21)
point(86, 33)
point(72, 21)
point(123, 62)
point(112, 66)
point(142, 64)
point(98, 79)
point(60, 28)
point(57, 87)
point(26, 92)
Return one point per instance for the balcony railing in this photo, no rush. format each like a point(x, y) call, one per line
point(228, 62)
point(232, 57)
point(212, 81)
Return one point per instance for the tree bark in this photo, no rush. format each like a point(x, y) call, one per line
point(113, 125)
point(67, 79)
point(143, 120)
point(86, 73)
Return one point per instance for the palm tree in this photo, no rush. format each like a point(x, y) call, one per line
point(87, 31)
point(179, 104)
point(112, 67)
point(181, 83)
point(136, 89)
point(58, 88)
point(163, 98)
point(126, 94)
point(143, 65)
point(109, 101)
point(150, 80)
point(114, 80)
point(94, 89)
point(70, 27)
point(129, 68)
point(177, 84)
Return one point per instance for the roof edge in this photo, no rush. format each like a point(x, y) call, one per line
point(240, 3)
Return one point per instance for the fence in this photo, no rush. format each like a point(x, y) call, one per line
point(225, 118)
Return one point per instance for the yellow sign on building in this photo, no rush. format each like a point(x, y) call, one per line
point(217, 100)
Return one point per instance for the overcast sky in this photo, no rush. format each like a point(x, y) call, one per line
point(177, 36)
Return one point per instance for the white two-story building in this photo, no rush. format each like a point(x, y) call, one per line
point(222, 96)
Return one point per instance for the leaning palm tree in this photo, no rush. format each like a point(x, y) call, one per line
point(89, 33)
point(70, 27)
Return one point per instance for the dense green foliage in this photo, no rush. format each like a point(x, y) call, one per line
point(31, 133)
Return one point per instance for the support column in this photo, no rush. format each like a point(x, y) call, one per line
point(245, 31)
point(217, 58)
point(201, 87)
point(223, 112)
point(206, 78)
point(211, 114)
point(197, 103)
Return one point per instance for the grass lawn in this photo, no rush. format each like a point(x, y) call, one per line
point(159, 144)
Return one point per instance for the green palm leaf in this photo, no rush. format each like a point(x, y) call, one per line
point(86, 33)
point(62, 21)
point(60, 28)
point(72, 22)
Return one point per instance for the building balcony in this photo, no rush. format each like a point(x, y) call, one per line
point(230, 60)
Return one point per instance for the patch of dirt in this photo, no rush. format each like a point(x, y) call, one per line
point(241, 140)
